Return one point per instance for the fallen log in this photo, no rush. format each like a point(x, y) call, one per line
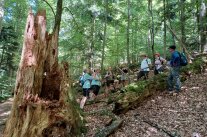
point(106, 131)
point(138, 92)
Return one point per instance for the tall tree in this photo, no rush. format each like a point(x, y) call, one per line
point(164, 41)
point(1, 13)
point(203, 26)
point(104, 36)
point(128, 28)
point(182, 21)
point(151, 27)
point(92, 41)
point(41, 105)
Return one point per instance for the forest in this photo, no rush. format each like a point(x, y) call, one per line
point(45, 45)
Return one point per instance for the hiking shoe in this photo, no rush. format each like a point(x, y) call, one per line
point(170, 89)
point(174, 93)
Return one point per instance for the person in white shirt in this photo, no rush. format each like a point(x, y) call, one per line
point(145, 67)
point(159, 61)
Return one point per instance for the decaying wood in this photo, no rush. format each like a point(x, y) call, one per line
point(106, 131)
point(41, 105)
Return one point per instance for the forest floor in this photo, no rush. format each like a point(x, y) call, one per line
point(162, 115)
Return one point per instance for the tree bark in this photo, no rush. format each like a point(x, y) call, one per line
point(182, 21)
point(1, 13)
point(203, 27)
point(117, 42)
point(128, 26)
point(92, 42)
point(164, 41)
point(151, 28)
point(42, 107)
point(104, 39)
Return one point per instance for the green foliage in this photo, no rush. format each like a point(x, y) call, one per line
point(8, 51)
point(196, 67)
point(82, 29)
point(138, 87)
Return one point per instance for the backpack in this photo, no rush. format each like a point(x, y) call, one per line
point(183, 59)
point(162, 62)
point(81, 80)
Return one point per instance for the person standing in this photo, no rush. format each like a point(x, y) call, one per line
point(124, 77)
point(96, 82)
point(109, 77)
point(173, 77)
point(145, 67)
point(86, 87)
point(159, 61)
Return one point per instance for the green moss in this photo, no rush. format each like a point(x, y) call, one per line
point(137, 87)
point(195, 67)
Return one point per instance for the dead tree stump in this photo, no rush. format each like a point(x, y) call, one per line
point(42, 106)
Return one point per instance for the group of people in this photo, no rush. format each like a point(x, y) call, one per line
point(146, 65)
point(174, 84)
point(91, 81)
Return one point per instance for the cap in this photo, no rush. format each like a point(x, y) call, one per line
point(143, 55)
point(172, 47)
point(158, 54)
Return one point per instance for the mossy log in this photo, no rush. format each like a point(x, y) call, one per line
point(42, 105)
point(136, 93)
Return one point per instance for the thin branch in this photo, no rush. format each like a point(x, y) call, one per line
point(72, 17)
point(50, 7)
point(181, 43)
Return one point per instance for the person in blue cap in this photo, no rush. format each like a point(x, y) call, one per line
point(174, 83)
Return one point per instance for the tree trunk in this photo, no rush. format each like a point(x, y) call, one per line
point(182, 20)
point(164, 41)
point(104, 39)
point(203, 27)
point(92, 42)
point(42, 107)
point(198, 3)
point(2, 55)
point(117, 42)
point(128, 26)
point(1, 13)
point(152, 28)
point(170, 24)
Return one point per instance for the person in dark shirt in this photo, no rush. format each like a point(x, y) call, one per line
point(173, 76)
